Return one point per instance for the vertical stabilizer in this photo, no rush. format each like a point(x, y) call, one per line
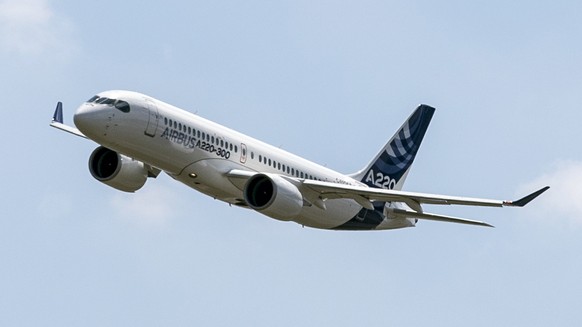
point(390, 167)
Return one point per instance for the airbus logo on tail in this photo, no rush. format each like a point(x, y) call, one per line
point(380, 180)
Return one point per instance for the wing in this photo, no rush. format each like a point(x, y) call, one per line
point(57, 122)
point(365, 196)
point(412, 199)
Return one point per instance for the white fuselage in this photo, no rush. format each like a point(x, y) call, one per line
point(200, 154)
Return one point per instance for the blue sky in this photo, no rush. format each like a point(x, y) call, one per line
point(330, 81)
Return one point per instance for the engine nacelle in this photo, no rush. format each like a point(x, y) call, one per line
point(273, 196)
point(117, 170)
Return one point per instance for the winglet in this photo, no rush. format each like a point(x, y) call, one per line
point(58, 115)
point(526, 199)
point(57, 122)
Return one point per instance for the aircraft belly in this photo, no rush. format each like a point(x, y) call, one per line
point(337, 212)
point(209, 176)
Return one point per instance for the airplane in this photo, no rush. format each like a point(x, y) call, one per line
point(139, 137)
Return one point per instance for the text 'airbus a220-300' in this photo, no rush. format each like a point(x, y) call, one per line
point(140, 137)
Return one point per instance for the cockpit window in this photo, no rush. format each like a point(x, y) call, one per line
point(106, 101)
point(122, 105)
point(119, 104)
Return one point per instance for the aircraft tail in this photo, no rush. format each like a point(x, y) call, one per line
point(390, 167)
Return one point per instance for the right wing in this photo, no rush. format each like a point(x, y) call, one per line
point(57, 122)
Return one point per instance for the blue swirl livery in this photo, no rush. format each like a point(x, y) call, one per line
point(389, 168)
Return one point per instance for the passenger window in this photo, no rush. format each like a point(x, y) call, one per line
point(165, 121)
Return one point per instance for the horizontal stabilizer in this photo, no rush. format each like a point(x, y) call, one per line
point(435, 217)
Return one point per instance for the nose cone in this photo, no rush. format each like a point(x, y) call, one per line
point(88, 119)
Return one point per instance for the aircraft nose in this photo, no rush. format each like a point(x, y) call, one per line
point(87, 119)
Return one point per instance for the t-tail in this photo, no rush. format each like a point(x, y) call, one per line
point(390, 167)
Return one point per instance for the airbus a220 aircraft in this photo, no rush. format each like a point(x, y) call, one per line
point(140, 137)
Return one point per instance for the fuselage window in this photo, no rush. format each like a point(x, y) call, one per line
point(175, 125)
point(235, 149)
point(279, 165)
point(222, 143)
point(301, 174)
point(269, 162)
point(198, 132)
point(207, 137)
point(165, 121)
point(292, 171)
point(252, 155)
point(203, 135)
point(283, 168)
point(260, 158)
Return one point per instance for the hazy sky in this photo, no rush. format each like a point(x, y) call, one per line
point(330, 81)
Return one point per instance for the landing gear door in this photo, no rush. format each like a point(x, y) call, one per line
point(153, 118)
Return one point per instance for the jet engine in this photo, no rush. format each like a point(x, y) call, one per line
point(117, 170)
point(273, 196)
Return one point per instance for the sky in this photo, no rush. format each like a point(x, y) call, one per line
point(330, 81)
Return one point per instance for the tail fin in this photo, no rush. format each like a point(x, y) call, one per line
point(390, 167)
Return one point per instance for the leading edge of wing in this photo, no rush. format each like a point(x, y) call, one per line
point(333, 190)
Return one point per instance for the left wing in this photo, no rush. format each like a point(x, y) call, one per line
point(412, 199)
point(316, 192)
